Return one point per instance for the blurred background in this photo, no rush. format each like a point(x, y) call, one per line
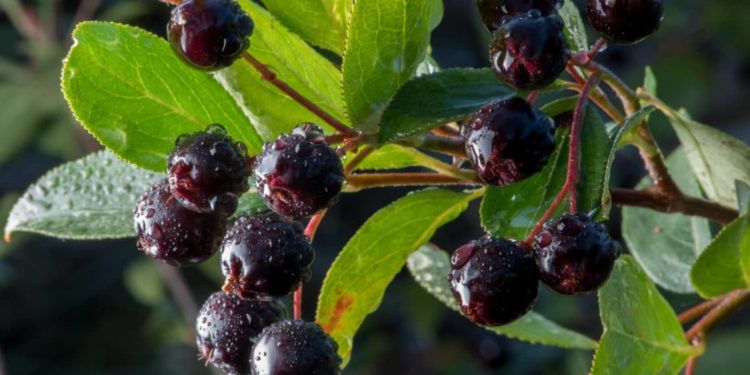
point(101, 308)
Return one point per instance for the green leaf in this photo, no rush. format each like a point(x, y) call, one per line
point(725, 264)
point(294, 62)
point(129, 90)
point(594, 159)
point(667, 245)
point(430, 268)
point(386, 42)
point(575, 31)
point(394, 156)
point(433, 100)
point(320, 22)
point(641, 332)
point(144, 282)
point(743, 196)
point(649, 81)
point(356, 282)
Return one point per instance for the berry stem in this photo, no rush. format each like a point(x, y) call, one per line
point(363, 181)
point(697, 311)
point(532, 97)
point(690, 368)
point(445, 145)
point(271, 77)
point(729, 303)
point(361, 156)
point(655, 199)
point(310, 230)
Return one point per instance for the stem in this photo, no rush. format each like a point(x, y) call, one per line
point(271, 77)
point(655, 199)
point(361, 156)
point(443, 145)
point(447, 131)
point(363, 181)
point(23, 21)
point(180, 291)
point(690, 368)
point(697, 311)
point(310, 230)
point(622, 90)
point(532, 97)
point(731, 302)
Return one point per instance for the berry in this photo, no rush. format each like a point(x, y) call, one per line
point(529, 51)
point(574, 254)
point(493, 12)
point(265, 256)
point(228, 326)
point(493, 280)
point(299, 174)
point(172, 233)
point(295, 347)
point(209, 34)
point(207, 170)
point(508, 141)
point(625, 21)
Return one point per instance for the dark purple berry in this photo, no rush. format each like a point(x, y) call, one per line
point(295, 347)
point(625, 21)
point(574, 254)
point(528, 52)
point(494, 280)
point(228, 326)
point(172, 233)
point(493, 12)
point(508, 141)
point(298, 174)
point(209, 34)
point(207, 171)
point(265, 256)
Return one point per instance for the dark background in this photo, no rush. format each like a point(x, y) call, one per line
point(101, 308)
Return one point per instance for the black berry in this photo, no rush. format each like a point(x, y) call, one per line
point(207, 171)
point(228, 326)
point(172, 233)
point(508, 141)
point(574, 254)
point(265, 256)
point(295, 347)
point(625, 21)
point(493, 280)
point(493, 12)
point(298, 174)
point(209, 34)
point(528, 52)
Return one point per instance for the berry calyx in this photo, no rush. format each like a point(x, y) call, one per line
point(172, 233)
point(493, 280)
point(298, 174)
point(227, 328)
point(208, 170)
point(209, 34)
point(528, 52)
point(508, 141)
point(493, 12)
point(265, 256)
point(575, 255)
point(295, 347)
point(625, 21)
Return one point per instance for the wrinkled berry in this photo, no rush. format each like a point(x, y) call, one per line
point(265, 256)
point(574, 254)
point(625, 21)
point(295, 347)
point(493, 12)
point(298, 174)
point(493, 280)
point(528, 52)
point(508, 141)
point(209, 34)
point(227, 328)
point(207, 171)
point(172, 233)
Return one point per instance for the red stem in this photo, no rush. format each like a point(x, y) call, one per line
point(690, 368)
point(358, 159)
point(310, 230)
point(532, 97)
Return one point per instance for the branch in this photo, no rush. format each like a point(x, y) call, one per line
point(697, 311)
point(363, 181)
point(731, 302)
point(180, 291)
point(657, 200)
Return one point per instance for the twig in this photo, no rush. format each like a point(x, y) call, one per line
point(731, 302)
point(656, 200)
point(444, 145)
point(180, 291)
point(690, 368)
point(310, 230)
point(363, 181)
point(361, 156)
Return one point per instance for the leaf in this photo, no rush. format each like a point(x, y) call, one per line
point(386, 42)
point(394, 156)
point(641, 332)
point(129, 90)
point(667, 245)
point(575, 31)
point(725, 264)
point(430, 268)
point(594, 160)
point(649, 81)
point(294, 62)
point(320, 22)
point(433, 100)
point(356, 282)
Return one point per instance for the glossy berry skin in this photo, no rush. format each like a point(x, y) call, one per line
point(169, 232)
point(207, 171)
point(228, 326)
point(298, 174)
point(625, 21)
point(265, 256)
point(574, 254)
point(295, 347)
point(209, 34)
point(493, 12)
point(494, 280)
point(528, 52)
point(508, 141)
